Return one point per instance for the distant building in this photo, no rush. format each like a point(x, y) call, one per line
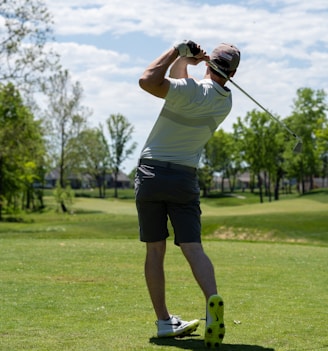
point(243, 181)
point(123, 181)
point(85, 180)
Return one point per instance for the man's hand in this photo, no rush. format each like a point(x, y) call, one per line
point(188, 49)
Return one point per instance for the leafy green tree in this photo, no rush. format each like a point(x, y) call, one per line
point(260, 146)
point(26, 28)
point(222, 155)
point(22, 148)
point(66, 119)
point(209, 160)
point(322, 137)
point(308, 120)
point(63, 195)
point(205, 178)
point(215, 158)
point(92, 155)
point(120, 131)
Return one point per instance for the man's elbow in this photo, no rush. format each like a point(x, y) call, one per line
point(159, 90)
point(146, 84)
point(143, 83)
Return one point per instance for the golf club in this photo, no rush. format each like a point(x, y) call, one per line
point(298, 147)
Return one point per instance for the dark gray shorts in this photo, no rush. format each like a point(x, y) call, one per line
point(164, 193)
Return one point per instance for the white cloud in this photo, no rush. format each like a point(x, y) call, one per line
point(284, 46)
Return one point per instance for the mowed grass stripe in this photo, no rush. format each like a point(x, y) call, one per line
point(302, 219)
point(299, 205)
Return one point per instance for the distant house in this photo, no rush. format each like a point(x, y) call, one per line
point(123, 181)
point(242, 181)
point(317, 183)
point(321, 182)
point(51, 179)
point(85, 180)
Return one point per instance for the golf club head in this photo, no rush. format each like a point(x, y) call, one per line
point(298, 147)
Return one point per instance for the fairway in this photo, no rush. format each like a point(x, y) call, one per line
point(303, 204)
point(90, 295)
point(75, 282)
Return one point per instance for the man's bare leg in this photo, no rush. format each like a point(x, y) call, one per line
point(203, 271)
point(155, 277)
point(168, 326)
point(201, 267)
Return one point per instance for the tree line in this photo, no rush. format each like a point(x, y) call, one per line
point(34, 140)
point(259, 145)
point(62, 140)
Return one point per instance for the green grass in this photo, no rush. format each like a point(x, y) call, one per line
point(293, 219)
point(90, 295)
point(75, 282)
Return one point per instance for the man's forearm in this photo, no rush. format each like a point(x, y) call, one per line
point(179, 68)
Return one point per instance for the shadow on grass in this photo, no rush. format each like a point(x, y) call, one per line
point(196, 344)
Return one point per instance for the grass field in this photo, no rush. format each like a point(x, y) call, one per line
point(75, 282)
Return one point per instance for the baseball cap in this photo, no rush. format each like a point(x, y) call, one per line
point(226, 57)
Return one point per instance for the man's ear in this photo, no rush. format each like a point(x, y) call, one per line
point(232, 73)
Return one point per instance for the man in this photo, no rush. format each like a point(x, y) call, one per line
point(166, 183)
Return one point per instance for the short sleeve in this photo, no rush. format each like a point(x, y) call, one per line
point(181, 91)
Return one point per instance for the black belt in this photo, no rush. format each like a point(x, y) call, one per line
point(171, 165)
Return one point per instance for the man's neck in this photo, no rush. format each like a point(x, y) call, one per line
point(217, 79)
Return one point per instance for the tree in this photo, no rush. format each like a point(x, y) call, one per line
point(205, 178)
point(322, 137)
point(260, 145)
point(66, 119)
point(308, 120)
point(26, 28)
point(215, 158)
point(223, 155)
point(92, 155)
point(209, 160)
point(22, 148)
point(120, 131)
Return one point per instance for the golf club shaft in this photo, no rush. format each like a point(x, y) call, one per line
point(212, 65)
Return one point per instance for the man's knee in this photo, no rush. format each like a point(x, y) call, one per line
point(192, 249)
point(156, 249)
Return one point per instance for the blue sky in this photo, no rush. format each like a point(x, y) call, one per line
point(106, 44)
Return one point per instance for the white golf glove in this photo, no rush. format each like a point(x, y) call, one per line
point(188, 49)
